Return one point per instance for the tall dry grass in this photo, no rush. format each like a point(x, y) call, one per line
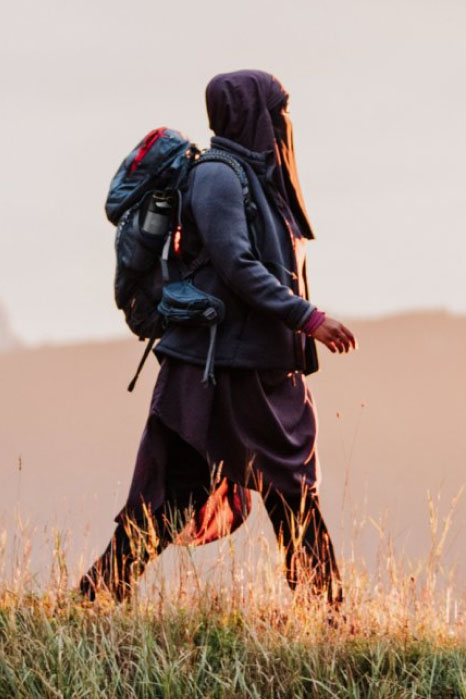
point(235, 629)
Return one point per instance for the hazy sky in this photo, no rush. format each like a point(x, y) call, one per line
point(378, 99)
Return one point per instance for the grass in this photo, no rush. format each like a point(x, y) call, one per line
point(212, 650)
point(401, 631)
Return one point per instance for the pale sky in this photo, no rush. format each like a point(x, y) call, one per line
point(378, 100)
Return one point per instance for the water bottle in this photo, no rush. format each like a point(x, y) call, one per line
point(159, 214)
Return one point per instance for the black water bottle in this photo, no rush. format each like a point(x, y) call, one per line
point(159, 214)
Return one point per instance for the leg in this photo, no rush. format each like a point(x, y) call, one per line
point(145, 535)
point(300, 528)
point(114, 569)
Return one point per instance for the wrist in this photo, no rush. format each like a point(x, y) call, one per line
point(314, 321)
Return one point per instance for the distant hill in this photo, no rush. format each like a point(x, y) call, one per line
point(8, 340)
point(392, 420)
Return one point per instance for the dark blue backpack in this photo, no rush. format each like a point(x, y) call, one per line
point(152, 286)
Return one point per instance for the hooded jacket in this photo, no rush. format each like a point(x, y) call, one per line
point(263, 286)
point(265, 300)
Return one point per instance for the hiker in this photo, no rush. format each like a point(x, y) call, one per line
point(205, 446)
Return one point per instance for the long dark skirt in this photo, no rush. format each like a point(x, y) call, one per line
point(203, 448)
point(259, 427)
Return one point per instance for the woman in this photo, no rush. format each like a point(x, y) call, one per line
point(257, 422)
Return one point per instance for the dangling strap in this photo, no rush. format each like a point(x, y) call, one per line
point(209, 364)
point(167, 245)
point(202, 259)
point(147, 350)
point(164, 258)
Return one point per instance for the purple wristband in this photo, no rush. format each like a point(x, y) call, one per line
point(313, 322)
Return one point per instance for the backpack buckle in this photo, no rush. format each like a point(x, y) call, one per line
point(210, 314)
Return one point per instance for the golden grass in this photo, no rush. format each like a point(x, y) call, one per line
point(235, 629)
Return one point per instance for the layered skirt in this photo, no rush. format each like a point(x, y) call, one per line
point(253, 429)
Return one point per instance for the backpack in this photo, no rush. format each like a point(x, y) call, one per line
point(152, 285)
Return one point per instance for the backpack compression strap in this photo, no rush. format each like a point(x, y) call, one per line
point(147, 350)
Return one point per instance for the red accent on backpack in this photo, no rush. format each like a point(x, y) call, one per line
point(177, 240)
point(147, 144)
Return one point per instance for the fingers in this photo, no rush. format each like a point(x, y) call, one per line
point(332, 341)
point(338, 340)
point(349, 335)
point(335, 336)
point(341, 344)
point(343, 339)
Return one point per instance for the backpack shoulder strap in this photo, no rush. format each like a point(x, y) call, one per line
point(219, 156)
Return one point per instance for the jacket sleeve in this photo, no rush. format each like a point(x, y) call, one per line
point(218, 210)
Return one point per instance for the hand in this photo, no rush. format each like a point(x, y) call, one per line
point(335, 336)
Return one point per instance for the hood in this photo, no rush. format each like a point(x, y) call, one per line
point(249, 107)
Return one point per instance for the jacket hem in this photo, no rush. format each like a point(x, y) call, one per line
point(225, 363)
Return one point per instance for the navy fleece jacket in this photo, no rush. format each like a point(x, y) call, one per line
point(264, 312)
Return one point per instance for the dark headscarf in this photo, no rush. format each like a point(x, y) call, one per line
point(249, 107)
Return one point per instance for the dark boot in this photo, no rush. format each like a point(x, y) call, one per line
point(309, 553)
point(115, 571)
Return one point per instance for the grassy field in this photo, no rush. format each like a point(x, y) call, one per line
point(213, 650)
point(400, 633)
